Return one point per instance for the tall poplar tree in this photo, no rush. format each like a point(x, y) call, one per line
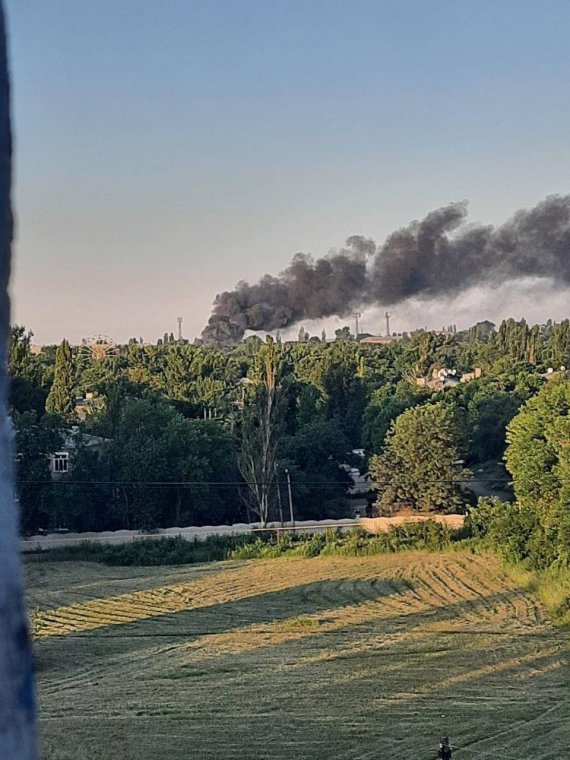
point(261, 420)
point(61, 398)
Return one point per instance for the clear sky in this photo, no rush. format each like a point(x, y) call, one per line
point(167, 149)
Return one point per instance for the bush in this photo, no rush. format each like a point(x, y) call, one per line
point(428, 535)
point(538, 536)
point(150, 552)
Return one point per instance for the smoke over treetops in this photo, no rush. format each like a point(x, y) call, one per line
point(439, 255)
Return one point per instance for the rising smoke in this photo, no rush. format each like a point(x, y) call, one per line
point(440, 255)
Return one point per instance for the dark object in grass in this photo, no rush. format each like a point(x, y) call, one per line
point(444, 750)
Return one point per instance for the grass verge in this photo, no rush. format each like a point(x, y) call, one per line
point(551, 586)
point(147, 551)
point(428, 535)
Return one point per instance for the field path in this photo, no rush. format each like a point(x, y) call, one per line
point(297, 658)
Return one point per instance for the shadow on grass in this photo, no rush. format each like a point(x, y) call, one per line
point(369, 709)
point(191, 624)
point(253, 622)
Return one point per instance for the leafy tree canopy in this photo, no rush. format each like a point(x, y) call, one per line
point(419, 463)
point(538, 452)
point(61, 398)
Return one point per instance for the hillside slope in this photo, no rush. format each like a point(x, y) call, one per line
point(297, 658)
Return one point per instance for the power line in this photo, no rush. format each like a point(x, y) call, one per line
point(178, 483)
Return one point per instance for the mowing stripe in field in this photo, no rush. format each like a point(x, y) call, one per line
point(443, 583)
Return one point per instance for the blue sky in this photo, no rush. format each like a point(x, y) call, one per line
point(166, 150)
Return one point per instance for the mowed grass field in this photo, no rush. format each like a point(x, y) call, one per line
point(297, 658)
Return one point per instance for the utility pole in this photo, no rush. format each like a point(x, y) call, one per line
point(288, 476)
point(279, 497)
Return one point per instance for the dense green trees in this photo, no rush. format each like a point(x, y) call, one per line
point(538, 457)
point(538, 453)
point(35, 440)
point(484, 408)
point(168, 410)
point(159, 469)
point(386, 404)
point(61, 398)
point(28, 374)
point(420, 462)
point(536, 528)
point(557, 344)
point(314, 455)
point(163, 463)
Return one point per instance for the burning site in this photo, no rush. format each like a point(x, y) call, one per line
point(439, 256)
point(272, 542)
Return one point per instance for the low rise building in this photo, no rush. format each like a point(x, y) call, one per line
point(61, 461)
point(88, 404)
point(442, 378)
point(556, 374)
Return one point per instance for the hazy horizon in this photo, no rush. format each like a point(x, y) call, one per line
point(542, 302)
point(165, 152)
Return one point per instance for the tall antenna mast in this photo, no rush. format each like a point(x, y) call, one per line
point(387, 315)
point(179, 320)
point(356, 316)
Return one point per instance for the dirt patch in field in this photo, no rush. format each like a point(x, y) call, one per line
point(383, 524)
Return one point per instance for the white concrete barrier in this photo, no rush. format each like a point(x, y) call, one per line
point(194, 532)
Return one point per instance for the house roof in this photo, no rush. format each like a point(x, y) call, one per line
point(74, 437)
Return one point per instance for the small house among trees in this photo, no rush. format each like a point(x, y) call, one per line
point(61, 461)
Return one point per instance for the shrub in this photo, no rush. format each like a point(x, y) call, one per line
point(145, 552)
point(428, 535)
point(537, 535)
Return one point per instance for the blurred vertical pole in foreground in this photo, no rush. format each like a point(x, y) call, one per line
point(17, 725)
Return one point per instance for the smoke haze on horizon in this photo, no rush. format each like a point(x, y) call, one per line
point(435, 259)
point(146, 184)
point(536, 301)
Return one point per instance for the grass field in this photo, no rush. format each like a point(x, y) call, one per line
point(297, 658)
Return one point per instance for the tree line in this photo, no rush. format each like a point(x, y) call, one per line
point(195, 434)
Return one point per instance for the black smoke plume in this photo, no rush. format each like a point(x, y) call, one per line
point(439, 256)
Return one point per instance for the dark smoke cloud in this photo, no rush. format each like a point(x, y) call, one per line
point(307, 289)
point(440, 255)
